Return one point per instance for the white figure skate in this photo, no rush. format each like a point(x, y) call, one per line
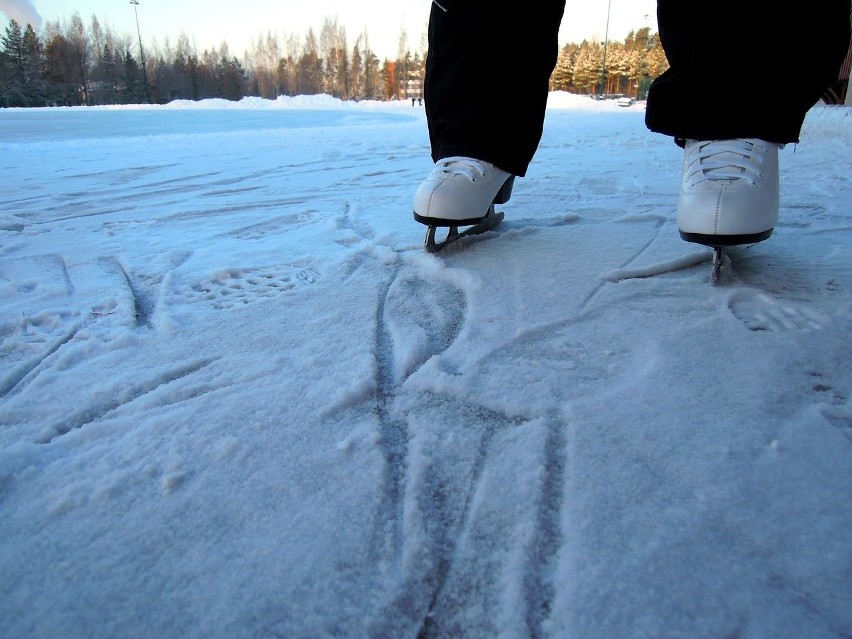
point(729, 194)
point(461, 191)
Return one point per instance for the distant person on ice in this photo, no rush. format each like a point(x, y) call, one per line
point(742, 76)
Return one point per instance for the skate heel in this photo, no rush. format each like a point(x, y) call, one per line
point(505, 191)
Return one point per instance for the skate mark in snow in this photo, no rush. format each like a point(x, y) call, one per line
point(531, 225)
point(122, 395)
point(444, 472)
point(660, 268)
point(241, 209)
point(111, 228)
point(353, 263)
point(761, 312)
point(451, 525)
point(659, 223)
point(261, 174)
point(142, 286)
point(179, 184)
point(416, 319)
point(274, 225)
point(54, 208)
point(14, 206)
point(839, 416)
point(386, 544)
point(26, 371)
point(122, 176)
point(623, 272)
point(422, 318)
point(504, 555)
point(236, 287)
point(380, 173)
point(29, 334)
point(350, 222)
point(144, 291)
point(225, 192)
point(539, 582)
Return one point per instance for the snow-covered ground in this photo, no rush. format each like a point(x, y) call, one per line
point(238, 400)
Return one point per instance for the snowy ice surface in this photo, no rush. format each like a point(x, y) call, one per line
point(238, 400)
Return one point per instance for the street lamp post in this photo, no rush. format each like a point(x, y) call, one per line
point(606, 41)
point(135, 3)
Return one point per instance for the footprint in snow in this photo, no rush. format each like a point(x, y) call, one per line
point(761, 312)
point(235, 287)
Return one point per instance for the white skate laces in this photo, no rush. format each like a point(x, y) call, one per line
point(718, 160)
point(466, 167)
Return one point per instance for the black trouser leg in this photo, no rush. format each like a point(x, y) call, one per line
point(487, 76)
point(745, 68)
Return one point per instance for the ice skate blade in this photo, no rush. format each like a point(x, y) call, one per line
point(431, 245)
point(716, 271)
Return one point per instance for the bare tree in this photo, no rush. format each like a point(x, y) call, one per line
point(79, 40)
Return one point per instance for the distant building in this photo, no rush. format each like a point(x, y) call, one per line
point(413, 85)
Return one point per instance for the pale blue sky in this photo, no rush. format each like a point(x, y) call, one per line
point(209, 22)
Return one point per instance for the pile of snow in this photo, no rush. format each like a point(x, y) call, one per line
point(572, 101)
point(556, 100)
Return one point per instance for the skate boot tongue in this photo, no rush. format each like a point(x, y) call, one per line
point(719, 160)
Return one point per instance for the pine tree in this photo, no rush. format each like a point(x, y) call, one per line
point(356, 69)
point(131, 78)
point(185, 65)
point(5, 78)
point(587, 70)
point(13, 80)
point(310, 67)
point(562, 78)
point(373, 86)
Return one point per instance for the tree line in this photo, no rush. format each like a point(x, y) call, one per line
point(612, 68)
point(71, 63)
